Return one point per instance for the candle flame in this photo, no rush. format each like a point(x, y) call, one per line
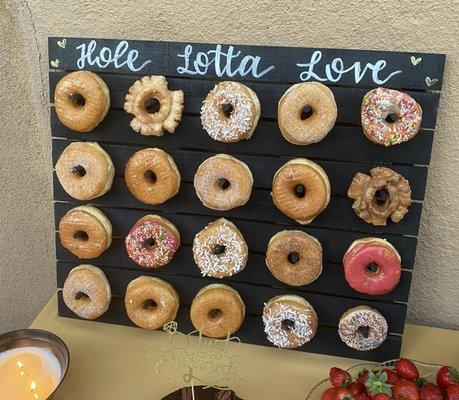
point(20, 364)
point(35, 396)
point(33, 385)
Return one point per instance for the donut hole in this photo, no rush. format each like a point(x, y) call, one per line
point(149, 243)
point(381, 196)
point(372, 268)
point(218, 249)
point(300, 191)
point(149, 304)
point(306, 112)
point(223, 183)
point(288, 324)
point(392, 118)
point(78, 170)
point(152, 105)
point(293, 257)
point(364, 331)
point(150, 176)
point(215, 313)
point(81, 296)
point(227, 109)
point(81, 235)
point(77, 100)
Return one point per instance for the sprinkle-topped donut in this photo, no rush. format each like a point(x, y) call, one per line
point(362, 328)
point(390, 117)
point(230, 112)
point(152, 241)
point(290, 321)
point(220, 250)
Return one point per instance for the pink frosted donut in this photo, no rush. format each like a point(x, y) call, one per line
point(372, 266)
point(152, 241)
point(390, 117)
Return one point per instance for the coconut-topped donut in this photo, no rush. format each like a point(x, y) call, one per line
point(223, 182)
point(390, 117)
point(362, 328)
point(230, 112)
point(290, 321)
point(220, 250)
point(156, 109)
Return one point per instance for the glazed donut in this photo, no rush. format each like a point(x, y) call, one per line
point(151, 302)
point(143, 96)
point(85, 231)
point(301, 190)
point(289, 320)
point(372, 266)
point(152, 176)
point(362, 328)
point(152, 241)
point(85, 170)
point(390, 117)
point(223, 182)
point(382, 195)
point(230, 112)
point(217, 311)
point(294, 257)
point(306, 113)
point(87, 292)
point(81, 100)
point(220, 250)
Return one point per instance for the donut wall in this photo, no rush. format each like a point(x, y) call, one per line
point(346, 155)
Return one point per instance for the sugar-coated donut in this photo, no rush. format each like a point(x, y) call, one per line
point(381, 195)
point(220, 250)
point(151, 302)
point(301, 190)
point(306, 113)
point(362, 328)
point(81, 100)
point(294, 257)
point(85, 231)
point(152, 176)
point(230, 112)
point(217, 311)
point(372, 266)
point(223, 182)
point(149, 120)
point(290, 321)
point(85, 170)
point(152, 241)
point(87, 292)
point(390, 117)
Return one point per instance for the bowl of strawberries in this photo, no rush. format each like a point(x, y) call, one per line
point(401, 379)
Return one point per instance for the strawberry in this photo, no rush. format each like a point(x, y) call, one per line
point(361, 379)
point(430, 391)
point(405, 390)
point(391, 376)
point(376, 383)
point(447, 376)
point(339, 377)
point(343, 393)
point(406, 369)
point(381, 396)
point(328, 394)
point(362, 396)
point(452, 392)
point(354, 388)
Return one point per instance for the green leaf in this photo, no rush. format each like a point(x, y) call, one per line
point(383, 376)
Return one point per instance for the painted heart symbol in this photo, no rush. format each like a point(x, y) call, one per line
point(415, 61)
point(55, 63)
point(62, 43)
point(431, 81)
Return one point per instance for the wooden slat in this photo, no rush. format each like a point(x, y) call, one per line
point(326, 340)
point(257, 234)
point(262, 168)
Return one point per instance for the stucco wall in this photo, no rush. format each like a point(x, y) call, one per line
point(26, 244)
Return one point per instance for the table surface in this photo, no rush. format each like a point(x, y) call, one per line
point(117, 362)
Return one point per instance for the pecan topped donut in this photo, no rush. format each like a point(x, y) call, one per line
point(382, 195)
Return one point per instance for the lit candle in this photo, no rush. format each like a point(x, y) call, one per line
point(28, 373)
